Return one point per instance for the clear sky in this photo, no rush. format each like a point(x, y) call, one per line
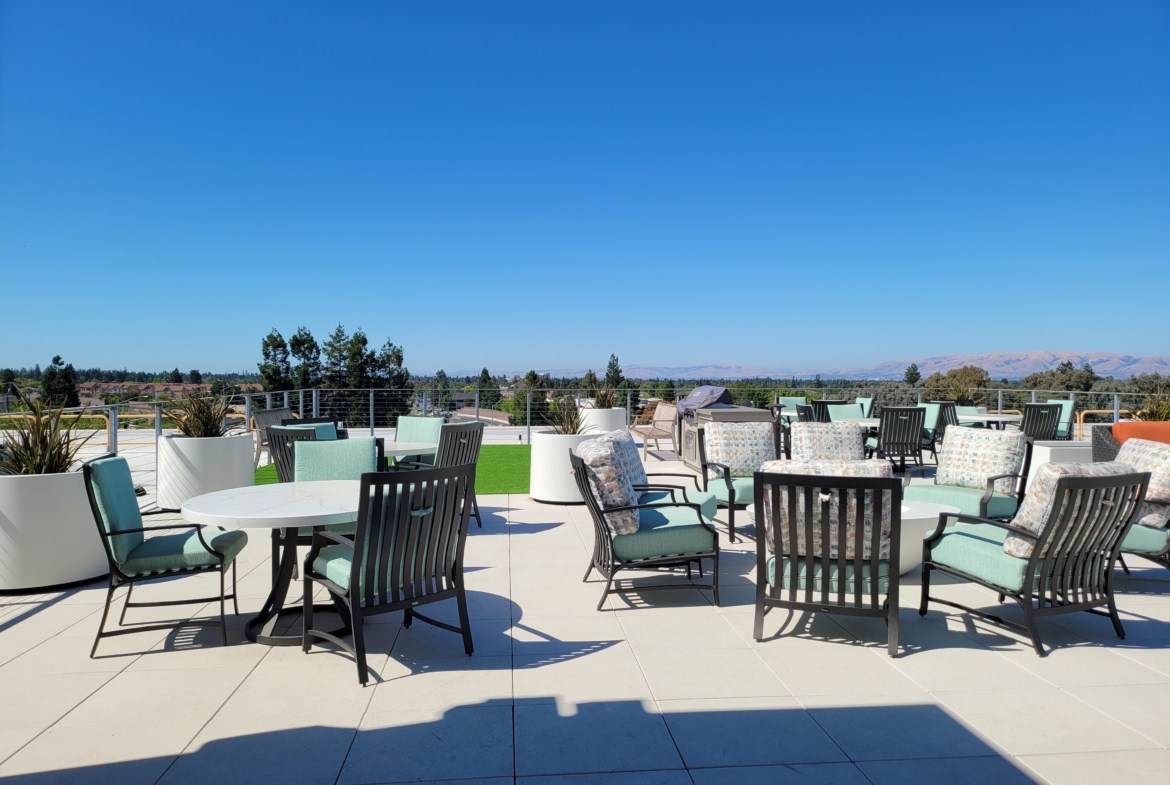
point(540, 184)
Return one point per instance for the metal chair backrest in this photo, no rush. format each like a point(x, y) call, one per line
point(947, 416)
point(110, 490)
point(281, 446)
point(900, 432)
point(1067, 411)
point(342, 433)
point(411, 532)
point(821, 410)
point(263, 419)
point(811, 515)
point(459, 444)
point(805, 414)
point(1081, 540)
point(1041, 421)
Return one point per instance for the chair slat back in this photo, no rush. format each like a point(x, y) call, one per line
point(459, 444)
point(805, 413)
point(263, 419)
point(282, 445)
point(1041, 421)
point(900, 432)
point(411, 532)
point(801, 507)
point(664, 416)
point(1072, 560)
point(947, 416)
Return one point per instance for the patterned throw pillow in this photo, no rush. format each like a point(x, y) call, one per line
point(740, 446)
point(970, 455)
point(828, 469)
point(826, 441)
point(1037, 507)
point(1152, 457)
point(610, 485)
point(1154, 515)
point(627, 454)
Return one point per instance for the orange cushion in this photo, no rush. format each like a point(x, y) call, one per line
point(1151, 431)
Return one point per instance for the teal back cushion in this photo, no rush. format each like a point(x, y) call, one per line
point(790, 403)
point(966, 410)
point(419, 429)
point(931, 422)
point(1066, 413)
point(113, 490)
point(341, 459)
point(866, 405)
point(845, 410)
point(326, 431)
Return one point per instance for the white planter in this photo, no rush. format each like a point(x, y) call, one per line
point(47, 532)
point(192, 467)
point(1059, 452)
point(551, 476)
point(596, 421)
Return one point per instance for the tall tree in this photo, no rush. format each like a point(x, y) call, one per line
point(59, 384)
point(613, 373)
point(590, 382)
point(194, 377)
point(275, 372)
point(966, 383)
point(489, 390)
point(307, 352)
point(176, 377)
point(912, 376)
point(335, 370)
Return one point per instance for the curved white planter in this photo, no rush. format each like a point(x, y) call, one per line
point(596, 421)
point(551, 476)
point(192, 467)
point(47, 532)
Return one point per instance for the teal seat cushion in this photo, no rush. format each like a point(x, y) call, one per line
point(1145, 539)
point(664, 531)
point(1000, 505)
point(172, 552)
point(326, 431)
point(818, 574)
point(977, 550)
point(334, 563)
point(743, 487)
point(871, 442)
point(706, 500)
point(113, 490)
point(344, 459)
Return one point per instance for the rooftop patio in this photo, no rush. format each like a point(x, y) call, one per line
point(663, 687)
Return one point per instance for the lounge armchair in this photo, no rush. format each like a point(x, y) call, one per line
point(730, 453)
point(804, 503)
point(827, 441)
point(631, 533)
point(133, 559)
point(1149, 537)
point(1056, 556)
point(1041, 421)
point(982, 472)
point(397, 512)
point(660, 427)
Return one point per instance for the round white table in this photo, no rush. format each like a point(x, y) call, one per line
point(287, 506)
point(918, 520)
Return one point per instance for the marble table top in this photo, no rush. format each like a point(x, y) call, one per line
point(991, 417)
point(276, 506)
point(402, 449)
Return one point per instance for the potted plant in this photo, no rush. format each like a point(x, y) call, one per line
point(551, 473)
point(202, 457)
point(604, 415)
point(47, 532)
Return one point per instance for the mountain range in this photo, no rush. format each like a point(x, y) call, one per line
point(999, 365)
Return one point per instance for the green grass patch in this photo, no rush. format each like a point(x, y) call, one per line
point(503, 468)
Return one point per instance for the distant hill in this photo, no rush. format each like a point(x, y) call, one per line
point(1000, 365)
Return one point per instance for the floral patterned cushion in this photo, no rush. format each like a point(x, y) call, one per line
point(1037, 507)
point(1152, 457)
point(610, 485)
point(627, 454)
point(970, 455)
point(1154, 515)
point(828, 469)
point(826, 441)
point(740, 446)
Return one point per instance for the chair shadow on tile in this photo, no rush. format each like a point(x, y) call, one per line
point(534, 737)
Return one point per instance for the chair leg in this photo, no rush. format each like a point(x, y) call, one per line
point(1033, 628)
point(715, 579)
point(475, 512)
point(235, 594)
point(891, 629)
point(922, 603)
point(758, 627)
point(465, 622)
point(359, 647)
point(1121, 561)
point(307, 616)
point(407, 618)
point(222, 607)
point(731, 521)
point(605, 592)
point(102, 623)
point(1113, 617)
point(588, 570)
point(999, 598)
point(125, 605)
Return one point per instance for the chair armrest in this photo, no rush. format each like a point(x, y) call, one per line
point(991, 486)
point(153, 529)
point(910, 470)
point(959, 518)
point(690, 477)
point(668, 488)
point(726, 472)
point(319, 538)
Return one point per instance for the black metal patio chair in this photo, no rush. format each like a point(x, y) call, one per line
point(459, 444)
point(1041, 421)
point(805, 414)
point(899, 435)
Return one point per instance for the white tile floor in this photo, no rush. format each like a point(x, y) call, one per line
point(661, 688)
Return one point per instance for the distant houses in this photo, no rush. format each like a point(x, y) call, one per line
point(91, 392)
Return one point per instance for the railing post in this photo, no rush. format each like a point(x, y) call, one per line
point(920, 396)
point(286, 400)
point(999, 401)
point(371, 412)
point(629, 393)
point(301, 404)
point(267, 400)
point(477, 405)
point(530, 416)
point(1033, 396)
point(426, 402)
point(112, 427)
point(247, 412)
point(316, 402)
point(158, 418)
point(1116, 407)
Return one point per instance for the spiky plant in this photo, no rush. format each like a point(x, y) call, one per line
point(1156, 408)
point(39, 443)
point(200, 417)
point(564, 416)
point(606, 398)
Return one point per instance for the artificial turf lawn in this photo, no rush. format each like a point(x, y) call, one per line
point(502, 468)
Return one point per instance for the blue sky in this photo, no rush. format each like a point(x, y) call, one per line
point(537, 185)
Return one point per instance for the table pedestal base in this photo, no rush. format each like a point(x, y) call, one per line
point(262, 627)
